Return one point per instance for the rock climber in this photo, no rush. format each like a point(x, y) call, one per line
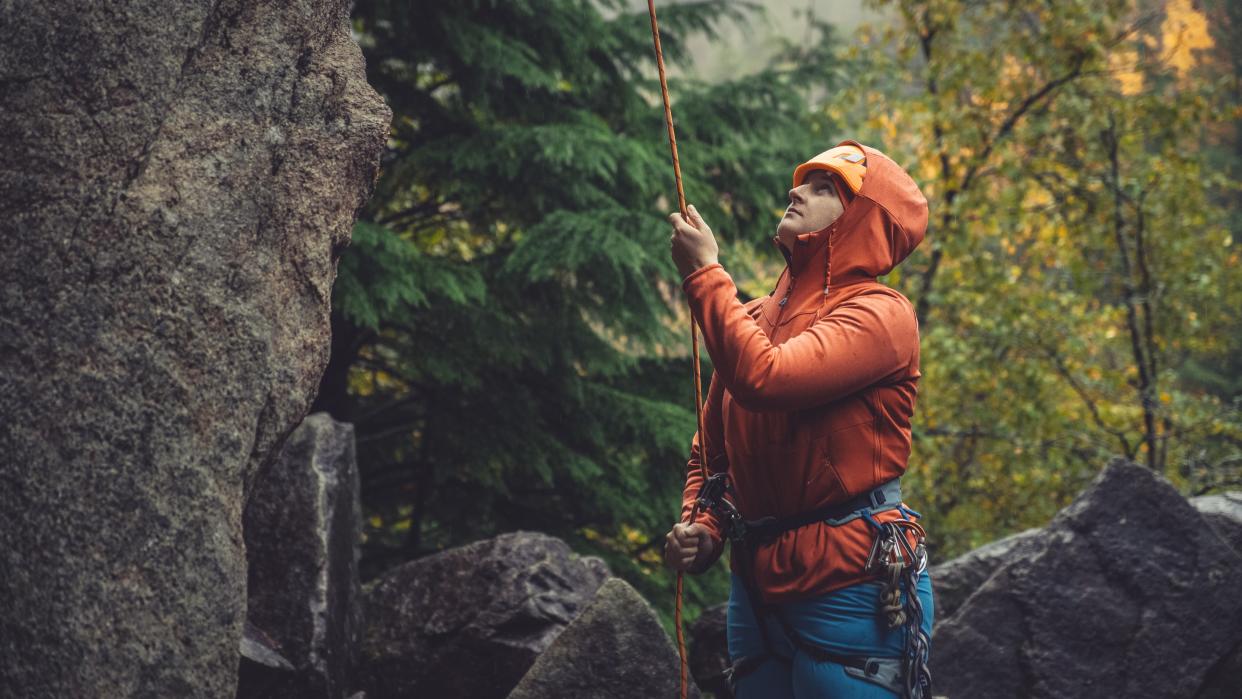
point(807, 419)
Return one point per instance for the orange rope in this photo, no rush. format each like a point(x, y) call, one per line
point(694, 335)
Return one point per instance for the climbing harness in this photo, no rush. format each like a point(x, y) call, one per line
point(694, 335)
point(891, 557)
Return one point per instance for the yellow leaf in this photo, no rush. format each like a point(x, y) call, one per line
point(1185, 31)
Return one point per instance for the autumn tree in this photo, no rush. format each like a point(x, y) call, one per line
point(1075, 258)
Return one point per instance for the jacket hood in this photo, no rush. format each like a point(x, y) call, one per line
point(884, 223)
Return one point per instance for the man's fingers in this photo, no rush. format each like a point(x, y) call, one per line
point(695, 217)
point(682, 546)
point(682, 224)
point(684, 543)
point(683, 534)
point(697, 531)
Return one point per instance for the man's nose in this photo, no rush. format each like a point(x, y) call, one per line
point(795, 196)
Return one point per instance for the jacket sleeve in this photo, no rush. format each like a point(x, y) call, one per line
point(717, 461)
point(860, 342)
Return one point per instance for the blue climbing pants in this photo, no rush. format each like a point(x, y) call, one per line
point(845, 622)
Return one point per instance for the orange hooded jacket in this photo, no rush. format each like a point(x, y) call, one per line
point(810, 402)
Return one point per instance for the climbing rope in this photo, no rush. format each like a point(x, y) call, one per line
point(694, 333)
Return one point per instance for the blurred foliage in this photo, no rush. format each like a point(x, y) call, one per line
point(509, 335)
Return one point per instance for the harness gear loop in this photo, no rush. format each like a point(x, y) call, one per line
point(694, 337)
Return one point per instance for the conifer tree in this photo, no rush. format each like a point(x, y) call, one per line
point(509, 332)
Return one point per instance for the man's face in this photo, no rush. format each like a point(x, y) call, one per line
point(813, 206)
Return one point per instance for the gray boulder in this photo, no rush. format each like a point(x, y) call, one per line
point(1224, 513)
point(470, 621)
point(708, 641)
point(176, 183)
point(262, 666)
point(616, 649)
point(302, 527)
point(1126, 593)
point(1222, 680)
point(957, 579)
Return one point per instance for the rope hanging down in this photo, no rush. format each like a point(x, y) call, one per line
point(694, 333)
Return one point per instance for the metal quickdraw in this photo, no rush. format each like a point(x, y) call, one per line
point(895, 562)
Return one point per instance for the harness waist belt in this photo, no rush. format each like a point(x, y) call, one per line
point(883, 497)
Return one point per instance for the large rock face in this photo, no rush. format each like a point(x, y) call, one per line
point(615, 649)
point(1127, 593)
point(470, 621)
point(302, 527)
point(955, 580)
point(176, 181)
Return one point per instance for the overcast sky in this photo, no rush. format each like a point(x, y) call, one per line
point(743, 49)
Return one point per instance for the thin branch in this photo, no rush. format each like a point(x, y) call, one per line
point(1137, 342)
point(1059, 362)
point(1011, 121)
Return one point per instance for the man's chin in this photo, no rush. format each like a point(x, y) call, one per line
point(789, 230)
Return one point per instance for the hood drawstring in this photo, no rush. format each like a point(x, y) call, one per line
point(827, 273)
point(828, 262)
point(846, 194)
point(788, 270)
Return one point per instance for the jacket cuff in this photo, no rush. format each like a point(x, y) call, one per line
point(685, 283)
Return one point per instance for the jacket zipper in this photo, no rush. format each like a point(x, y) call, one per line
point(785, 299)
point(789, 289)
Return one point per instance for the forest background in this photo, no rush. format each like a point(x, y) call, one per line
point(509, 336)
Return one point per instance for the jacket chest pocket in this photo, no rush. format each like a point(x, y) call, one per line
point(822, 482)
point(785, 479)
point(847, 430)
point(781, 323)
point(791, 325)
